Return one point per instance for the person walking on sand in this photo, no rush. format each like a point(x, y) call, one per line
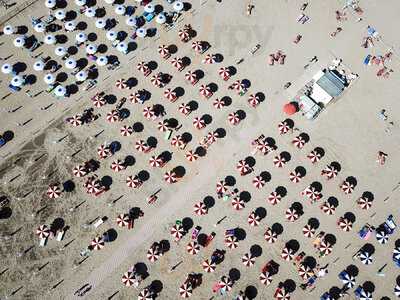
point(381, 157)
point(249, 9)
point(339, 29)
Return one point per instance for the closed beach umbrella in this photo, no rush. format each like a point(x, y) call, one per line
point(17, 81)
point(80, 2)
point(70, 26)
point(60, 91)
point(91, 49)
point(6, 68)
point(122, 47)
point(90, 12)
point(161, 19)
point(60, 51)
point(100, 23)
point(81, 37)
point(49, 79)
point(38, 65)
point(111, 35)
point(81, 76)
point(131, 21)
point(101, 61)
point(8, 29)
point(50, 3)
point(39, 27)
point(19, 42)
point(178, 6)
point(60, 14)
point(149, 8)
point(70, 63)
point(49, 39)
point(120, 10)
point(141, 32)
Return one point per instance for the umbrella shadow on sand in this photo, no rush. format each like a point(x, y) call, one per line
point(245, 196)
point(156, 286)
point(241, 114)
point(193, 105)
point(138, 127)
point(251, 292)
point(200, 151)
point(57, 224)
point(368, 286)
point(199, 74)
point(256, 250)
point(129, 161)
point(293, 245)
point(112, 235)
point(277, 228)
point(179, 91)
point(260, 212)
point(314, 223)
point(221, 132)
point(187, 224)
point(234, 274)
point(69, 186)
point(352, 270)
point(5, 212)
point(240, 234)
point(152, 142)
point(165, 246)
point(143, 175)
point(152, 65)
point(106, 181)
point(179, 171)
point(213, 87)
point(266, 176)
point(226, 100)
point(207, 119)
point(289, 285)
point(281, 191)
point(230, 180)
point(172, 49)
point(142, 269)
point(209, 201)
point(310, 262)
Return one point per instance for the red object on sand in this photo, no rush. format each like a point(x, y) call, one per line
point(289, 108)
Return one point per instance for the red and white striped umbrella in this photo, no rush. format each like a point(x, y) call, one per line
point(98, 101)
point(205, 91)
point(221, 187)
point(282, 295)
point(269, 236)
point(237, 203)
point(253, 219)
point(163, 126)
point(308, 231)
point(258, 182)
point(126, 130)
point(97, 243)
point(134, 97)
point(75, 120)
point(325, 248)
point(224, 73)
point(364, 203)
point(287, 254)
point(43, 231)
point(163, 50)
point(155, 162)
point(156, 80)
point(311, 193)
point(191, 77)
point(212, 137)
point(298, 142)
point(264, 147)
point(238, 85)
point(148, 112)
point(314, 156)
point(152, 255)
point(93, 187)
point(191, 156)
point(233, 118)
point(170, 95)
point(248, 260)
point(208, 266)
point(225, 284)
point(196, 46)
point(199, 123)
point(184, 108)
point(193, 248)
point(283, 127)
point(294, 177)
point(145, 294)
point(242, 167)
point(121, 84)
point(274, 198)
point(347, 187)
point(143, 67)
point(112, 116)
point(133, 181)
point(265, 278)
point(79, 171)
point(305, 272)
point(345, 224)
point(117, 166)
point(177, 141)
point(218, 104)
point(231, 242)
point(328, 209)
point(200, 208)
point(279, 161)
point(209, 59)
point(128, 279)
point(141, 146)
point(177, 63)
point(53, 191)
point(185, 290)
point(177, 232)
point(291, 215)
point(170, 177)
point(329, 172)
point(253, 100)
point(183, 35)
point(122, 220)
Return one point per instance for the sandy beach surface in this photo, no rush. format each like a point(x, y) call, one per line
point(44, 150)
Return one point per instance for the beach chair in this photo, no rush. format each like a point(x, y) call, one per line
point(43, 242)
point(60, 236)
point(98, 223)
